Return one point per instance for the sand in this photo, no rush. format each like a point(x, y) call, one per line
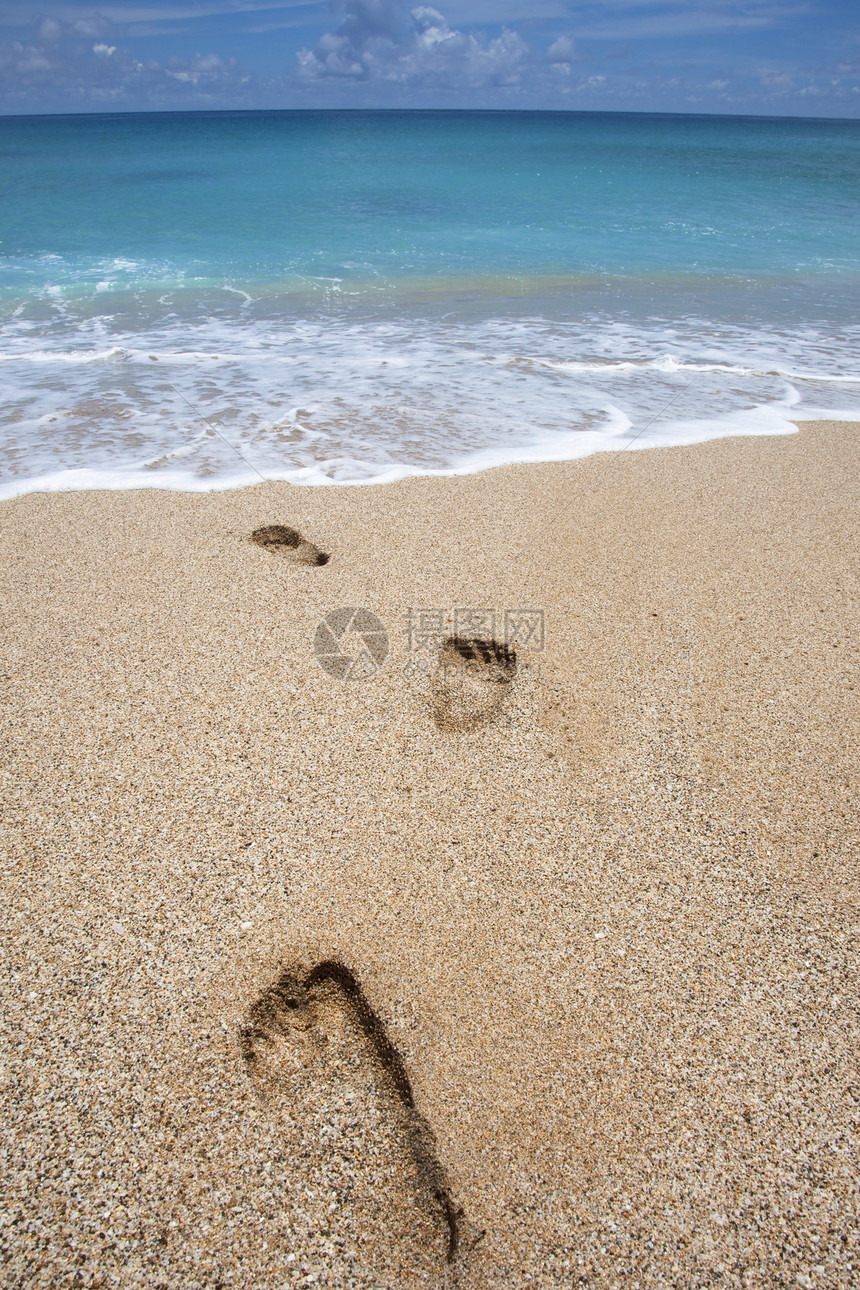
point(604, 912)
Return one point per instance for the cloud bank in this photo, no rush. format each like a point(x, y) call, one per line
point(636, 55)
point(375, 43)
point(69, 66)
point(383, 53)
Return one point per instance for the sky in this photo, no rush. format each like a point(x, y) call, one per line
point(764, 57)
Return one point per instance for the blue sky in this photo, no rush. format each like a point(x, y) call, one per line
point(758, 56)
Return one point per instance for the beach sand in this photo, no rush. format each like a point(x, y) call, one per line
point(604, 913)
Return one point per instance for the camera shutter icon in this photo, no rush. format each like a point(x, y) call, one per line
point(351, 644)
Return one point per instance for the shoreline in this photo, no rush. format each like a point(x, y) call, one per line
point(539, 453)
point(608, 928)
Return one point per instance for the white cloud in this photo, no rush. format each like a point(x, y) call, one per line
point(772, 76)
point(373, 43)
point(848, 65)
point(561, 50)
point(203, 69)
point(50, 31)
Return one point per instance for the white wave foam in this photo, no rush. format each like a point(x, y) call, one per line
point(665, 364)
point(67, 356)
point(247, 300)
point(335, 401)
point(354, 472)
point(670, 364)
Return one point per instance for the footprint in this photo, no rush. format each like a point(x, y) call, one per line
point(313, 1044)
point(472, 682)
point(289, 543)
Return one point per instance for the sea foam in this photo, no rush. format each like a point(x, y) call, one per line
point(216, 402)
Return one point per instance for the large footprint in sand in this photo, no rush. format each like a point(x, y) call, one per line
point(288, 543)
point(472, 682)
point(312, 1040)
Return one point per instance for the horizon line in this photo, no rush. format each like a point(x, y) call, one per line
point(417, 111)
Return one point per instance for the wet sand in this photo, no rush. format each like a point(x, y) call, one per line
point(603, 909)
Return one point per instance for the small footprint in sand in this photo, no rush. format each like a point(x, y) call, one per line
point(472, 682)
point(312, 1040)
point(288, 543)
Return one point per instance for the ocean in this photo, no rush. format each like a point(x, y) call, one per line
point(199, 300)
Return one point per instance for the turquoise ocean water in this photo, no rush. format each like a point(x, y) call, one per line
point(193, 300)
